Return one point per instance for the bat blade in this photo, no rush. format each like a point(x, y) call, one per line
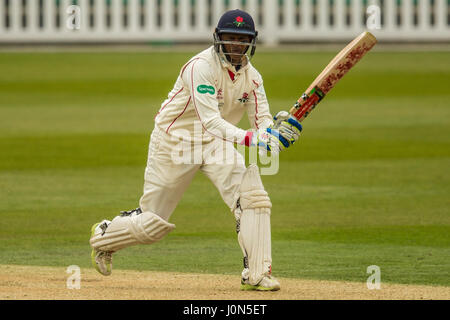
point(333, 72)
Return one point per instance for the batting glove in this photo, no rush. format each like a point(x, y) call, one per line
point(288, 127)
point(270, 140)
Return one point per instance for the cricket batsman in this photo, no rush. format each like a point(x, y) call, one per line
point(211, 94)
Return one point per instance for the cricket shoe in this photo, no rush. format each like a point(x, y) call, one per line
point(101, 260)
point(268, 283)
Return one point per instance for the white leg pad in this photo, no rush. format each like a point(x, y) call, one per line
point(125, 231)
point(255, 239)
point(253, 226)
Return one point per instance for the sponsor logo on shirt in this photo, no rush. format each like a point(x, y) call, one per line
point(219, 94)
point(219, 98)
point(203, 89)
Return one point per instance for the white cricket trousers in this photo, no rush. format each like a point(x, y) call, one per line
point(172, 164)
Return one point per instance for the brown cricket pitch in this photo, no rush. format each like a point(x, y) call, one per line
point(49, 283)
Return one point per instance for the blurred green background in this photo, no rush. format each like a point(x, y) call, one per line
point(368, 183)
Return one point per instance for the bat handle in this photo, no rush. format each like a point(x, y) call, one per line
point(294, 108)
point(297, 104)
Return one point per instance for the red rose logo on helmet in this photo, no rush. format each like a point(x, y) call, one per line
point(239, 22)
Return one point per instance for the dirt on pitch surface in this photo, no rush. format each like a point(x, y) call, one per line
point(48, 283)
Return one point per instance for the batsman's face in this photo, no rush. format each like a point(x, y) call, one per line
point(236, 51)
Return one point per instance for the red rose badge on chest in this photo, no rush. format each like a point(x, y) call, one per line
point(244, 98)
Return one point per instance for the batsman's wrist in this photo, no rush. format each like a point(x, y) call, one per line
point(248, 139)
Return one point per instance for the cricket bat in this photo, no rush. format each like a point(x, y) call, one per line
point(333, 72)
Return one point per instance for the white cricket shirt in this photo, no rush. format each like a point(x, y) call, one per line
point(209, 99)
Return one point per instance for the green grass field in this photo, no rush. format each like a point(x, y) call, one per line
point(368, 184)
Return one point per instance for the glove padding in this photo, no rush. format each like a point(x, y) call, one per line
point(270, 139)
point(287, 126)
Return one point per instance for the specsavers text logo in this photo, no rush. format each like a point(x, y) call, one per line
point(206, 89)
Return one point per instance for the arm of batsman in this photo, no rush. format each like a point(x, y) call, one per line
point(287, 126)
